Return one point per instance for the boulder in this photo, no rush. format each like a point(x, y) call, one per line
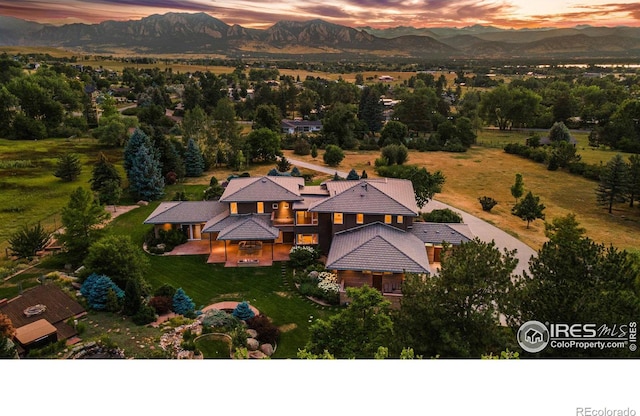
point(142, 203)
point(257, 354)
point(252, 344)
point(313, 274)
point(267, 349)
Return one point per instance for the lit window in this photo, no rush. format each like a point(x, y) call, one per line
point(387, 219)
point(400, 219)
point(234, 207)
point(359, 218)
point(260, 207)
point(337, 218)
point(306, 239)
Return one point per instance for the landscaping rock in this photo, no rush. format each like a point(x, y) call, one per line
point(256, 354)
point(252, 344)
point(252, 333)
point(142, 203)
point(267, 349)
point(313, 274)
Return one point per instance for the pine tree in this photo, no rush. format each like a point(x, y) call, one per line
point(613, 183)
point(145, 178)
point(68, 168)
point(193, 160)
point(132, 300)
point(518, 187)
point(106, 181)
point(182, 304)
point(370, 109)
point(81, 219)
point(633, 191)
point(137, 139)
point(529, 209)
point(314, 151)
point(353, 175)
point(99, 292)
point(364, 175)
point(243, 311)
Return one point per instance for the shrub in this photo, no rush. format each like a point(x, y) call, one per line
point(145, 315)
point(487, 203)
point(333, 155)
point(243, 311)
point(442, 215)
point(395, 154)
point(217, 319)
point(300, 257)
point(161, 304)
point(165, 290)
point(268, 333)
point(301, 147)
point(96, 290)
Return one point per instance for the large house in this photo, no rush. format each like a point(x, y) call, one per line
point(365, 228)
point(300, 126)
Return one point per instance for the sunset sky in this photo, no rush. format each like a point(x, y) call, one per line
point(354, 13)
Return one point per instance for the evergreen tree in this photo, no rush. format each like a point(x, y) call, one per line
point(171, 160)
point(145, 178)
point(106, 181)
point(132, 298)
point(314, 151)
point(193, 160)
point(613, 183)
point(517, 189)
point(353, 175)
point(633, 191)
point(559, 133)
point(27, 241)
point(99, 292)
point(137, 139)
point(243, 312)
point(68, 168)
point(283, 164)
point(182, 304)
point(529, 209)
point(364, 175)
point(81, 219)
point(370, 109)
point(295, 172)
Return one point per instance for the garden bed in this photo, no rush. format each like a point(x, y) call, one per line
point(214, 345)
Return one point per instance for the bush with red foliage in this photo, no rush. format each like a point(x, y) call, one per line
point(162, 304)
point(268, 333)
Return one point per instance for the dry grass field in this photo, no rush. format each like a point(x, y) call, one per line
point(490, 171)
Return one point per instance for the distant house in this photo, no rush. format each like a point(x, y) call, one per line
point(40, 316)
point(300, 126)
point(366, 228)
point(385, 78)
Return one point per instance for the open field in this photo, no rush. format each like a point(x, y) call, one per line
point(29, 193)
point(490, 171)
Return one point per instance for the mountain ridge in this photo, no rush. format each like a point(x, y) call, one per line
point(203, 33)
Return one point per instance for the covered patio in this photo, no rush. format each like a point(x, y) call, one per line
point(232, 255)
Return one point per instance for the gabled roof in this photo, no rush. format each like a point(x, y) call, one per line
point(248, 227)
point(369, 196)
point(377, 247)
point(185, 212)
point(263, 188)
point(436, 233)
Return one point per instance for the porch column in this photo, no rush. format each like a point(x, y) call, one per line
point(225, 250)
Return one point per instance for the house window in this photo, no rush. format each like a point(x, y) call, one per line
point(400, 219)
point(387, 219)
point(337, 218)
point(233, 207)
point(359, 218)
point(306, 239)
point(260, 207)
point(306, 218)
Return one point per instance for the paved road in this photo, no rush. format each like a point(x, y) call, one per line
point(479, 227)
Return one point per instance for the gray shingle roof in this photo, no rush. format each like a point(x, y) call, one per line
point(377, 247)
point(185, 212)
point(436, 233)
point(370, 196)
point(263, 188)
point(248, 227)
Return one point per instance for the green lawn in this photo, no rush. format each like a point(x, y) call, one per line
point(264, 287)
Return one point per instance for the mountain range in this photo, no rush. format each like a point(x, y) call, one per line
point(200, 33)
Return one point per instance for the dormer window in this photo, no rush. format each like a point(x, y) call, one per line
point(260, 207)
point(233, 207)
point(338, 218)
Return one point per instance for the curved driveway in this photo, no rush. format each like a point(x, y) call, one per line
point(479, 227)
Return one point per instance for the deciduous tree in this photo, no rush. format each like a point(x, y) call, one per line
point(333, 155)
point(529, 209)
point(117, 257)
point(517, 189)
